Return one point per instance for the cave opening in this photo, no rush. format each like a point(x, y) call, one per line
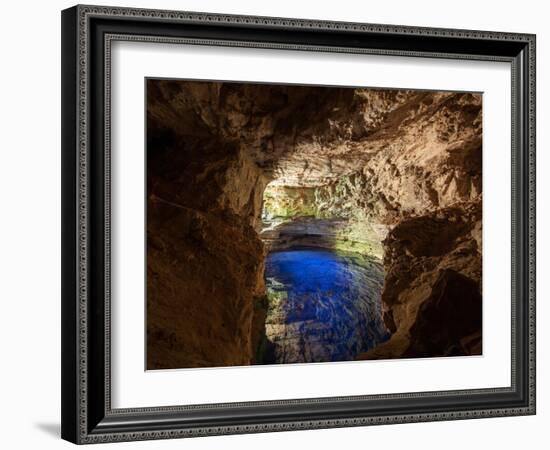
point(323, 278)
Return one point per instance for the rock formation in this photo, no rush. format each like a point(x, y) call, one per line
point(392, 174)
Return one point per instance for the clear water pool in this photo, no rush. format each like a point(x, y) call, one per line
point(323, 305)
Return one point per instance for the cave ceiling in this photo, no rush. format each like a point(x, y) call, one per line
point(311, 136)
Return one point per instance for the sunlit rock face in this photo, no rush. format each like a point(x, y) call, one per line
point(294, 216)
point(393, 175)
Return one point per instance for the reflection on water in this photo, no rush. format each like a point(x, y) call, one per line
point(323, 305)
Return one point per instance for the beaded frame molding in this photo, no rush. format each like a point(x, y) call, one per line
point(87, 35)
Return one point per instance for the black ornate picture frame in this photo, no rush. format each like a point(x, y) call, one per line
point(87, 34)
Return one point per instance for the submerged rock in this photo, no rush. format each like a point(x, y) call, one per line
point(323, 305)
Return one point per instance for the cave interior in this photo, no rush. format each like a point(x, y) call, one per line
point(291, 224)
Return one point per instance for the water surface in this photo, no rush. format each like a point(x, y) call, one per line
point(323, 305)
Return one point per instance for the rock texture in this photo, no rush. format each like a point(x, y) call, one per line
point(295, 216)
point(401, 170)
point(433, 274)
point(204, 257)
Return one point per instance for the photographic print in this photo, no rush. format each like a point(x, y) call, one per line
point(311, 224)
point(253, 207)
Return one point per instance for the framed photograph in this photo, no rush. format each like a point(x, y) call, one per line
point(281, 224)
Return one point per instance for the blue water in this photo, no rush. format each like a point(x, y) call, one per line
point(331, 305)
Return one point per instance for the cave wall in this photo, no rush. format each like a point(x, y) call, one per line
point(204, 257)
point(318, 217)
point(433, 276)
